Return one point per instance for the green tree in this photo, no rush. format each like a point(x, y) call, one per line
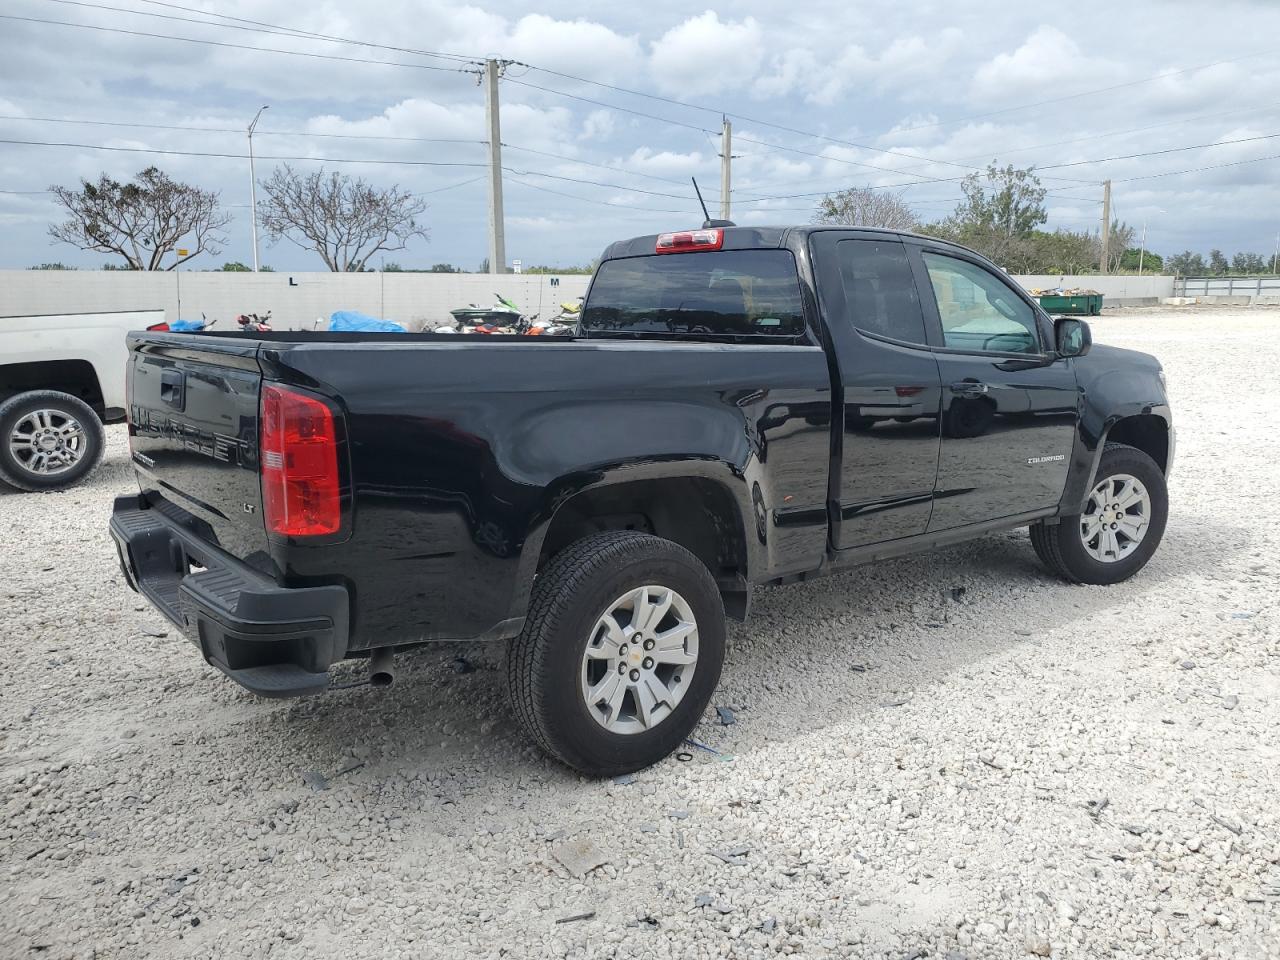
point(1250, 263)
point(1186, 264)
point(235, 266)
point(444, 268)
point(1218, 265)
point(52, 266)
point(1062, 252)
point(1151, 261)
point(1000, 209)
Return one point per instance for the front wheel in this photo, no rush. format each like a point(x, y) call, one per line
point(620, 653)
point(49, 440)
point(1120, 527)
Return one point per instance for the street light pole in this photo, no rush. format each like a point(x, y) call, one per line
point(253, 189)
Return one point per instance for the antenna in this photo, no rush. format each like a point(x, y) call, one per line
point(705, 215)
point(707, 222)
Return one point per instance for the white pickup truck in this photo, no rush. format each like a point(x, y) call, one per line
point(62, 376)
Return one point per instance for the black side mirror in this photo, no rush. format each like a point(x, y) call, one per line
point(1071, 336)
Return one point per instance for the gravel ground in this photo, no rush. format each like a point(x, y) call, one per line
point(952, 755)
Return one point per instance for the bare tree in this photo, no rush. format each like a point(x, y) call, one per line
point(141, 221)
point(866, 207)
point(344, 220)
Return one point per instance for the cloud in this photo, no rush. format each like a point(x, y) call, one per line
point(706, 55)
point(1043, 61)
point(597, 125)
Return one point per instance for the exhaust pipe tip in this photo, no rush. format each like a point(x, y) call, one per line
point(381, 669)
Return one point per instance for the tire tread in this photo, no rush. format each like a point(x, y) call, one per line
point(93, 431)
point(529, 667)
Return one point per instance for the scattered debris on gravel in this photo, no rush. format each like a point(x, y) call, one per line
point(948, 756)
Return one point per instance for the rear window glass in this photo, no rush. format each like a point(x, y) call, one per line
point(736, 293)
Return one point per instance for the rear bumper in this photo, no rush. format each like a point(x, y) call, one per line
point(273, 640)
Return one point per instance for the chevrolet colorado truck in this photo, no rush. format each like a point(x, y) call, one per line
point(739, 407)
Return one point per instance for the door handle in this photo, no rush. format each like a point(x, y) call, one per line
point(173, 388)
point(969, 388)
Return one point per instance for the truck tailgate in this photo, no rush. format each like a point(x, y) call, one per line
point(193, 433)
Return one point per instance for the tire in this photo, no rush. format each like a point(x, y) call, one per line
point(1062, 548)
point(547, 669)
point(87, 444)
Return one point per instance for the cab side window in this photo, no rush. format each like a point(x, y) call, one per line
point(879, 290)
point(979, 312)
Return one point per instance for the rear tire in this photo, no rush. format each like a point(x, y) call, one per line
point(1066, 547)
point(551, 673)
point(49, 440)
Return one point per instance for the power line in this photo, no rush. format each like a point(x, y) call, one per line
point(239, 131)
point(606, 203)
point(339, 136)
point(589, 163)
point(594, 183)
point(1156, 153)
point(261, 26)
point(1127, 130)
point(277, 30)
point(258, 26)
point(1214, 166)
point(234, 46)
point(355, 160)
point(244, 156)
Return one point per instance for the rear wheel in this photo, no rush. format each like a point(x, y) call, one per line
point(48, 440)
point(1120, 527)
point(620, 653)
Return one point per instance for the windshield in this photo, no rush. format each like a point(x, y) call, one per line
point(736, 293)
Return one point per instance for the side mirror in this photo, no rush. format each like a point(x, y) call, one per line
point(1071, 336)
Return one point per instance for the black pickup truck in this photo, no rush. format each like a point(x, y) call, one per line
point(739, 407)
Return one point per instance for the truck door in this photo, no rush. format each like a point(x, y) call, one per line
point(886, 435)
point(1009, 408)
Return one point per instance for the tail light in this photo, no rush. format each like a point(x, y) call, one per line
point(301, 490)
point(158, 328)
point(689, 241)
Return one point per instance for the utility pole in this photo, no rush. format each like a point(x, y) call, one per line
point(497, 225)
point(1106, 224)
point(726, 164)
point(1275, 256)
point(253, 189)
point(1142, 247)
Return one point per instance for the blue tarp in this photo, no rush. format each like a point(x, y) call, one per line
point(186, 326)
point(352, 321)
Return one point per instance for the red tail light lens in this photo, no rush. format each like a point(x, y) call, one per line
point(299, 453)
point(158, 328)
point(689, 241)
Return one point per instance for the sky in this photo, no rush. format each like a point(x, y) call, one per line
point(907, 97)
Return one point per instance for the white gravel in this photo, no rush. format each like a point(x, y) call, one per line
point(1033, 769)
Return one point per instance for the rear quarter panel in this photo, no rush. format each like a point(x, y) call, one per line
point(461, 453)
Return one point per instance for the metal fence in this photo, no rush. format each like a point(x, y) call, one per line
point(1227, 287)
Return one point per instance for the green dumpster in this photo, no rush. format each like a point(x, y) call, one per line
point(1086, 305)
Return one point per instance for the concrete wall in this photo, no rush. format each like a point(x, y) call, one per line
point(1114, 289)
point(295, 300)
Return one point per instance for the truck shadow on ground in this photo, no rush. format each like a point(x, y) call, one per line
point(840, 644)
